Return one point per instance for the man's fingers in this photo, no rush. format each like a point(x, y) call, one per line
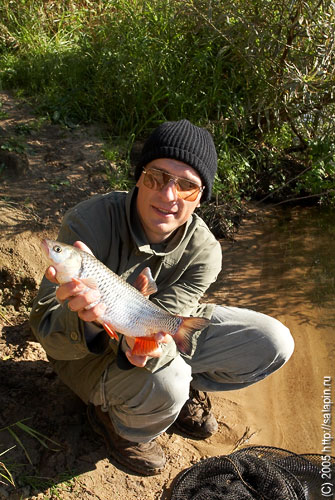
point(50, 274)
point(84, 300)
point(92, 314)
point(69, 289)
point(139, 361)
point(163, 338)
point(82, 246)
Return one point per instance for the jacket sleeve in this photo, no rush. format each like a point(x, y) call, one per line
point(60, 331)
point(183, 296)
point(63, 335)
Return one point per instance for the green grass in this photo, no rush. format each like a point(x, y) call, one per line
point(52, 487)
point(225, 65)
point(19, 431)
point(17, 475)
point(5, 475)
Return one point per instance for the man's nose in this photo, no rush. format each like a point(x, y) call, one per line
point(170, 190)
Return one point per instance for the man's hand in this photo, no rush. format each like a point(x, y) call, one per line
point(77, 294)
point(140, 361)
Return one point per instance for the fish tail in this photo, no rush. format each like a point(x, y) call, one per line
point(183, 337)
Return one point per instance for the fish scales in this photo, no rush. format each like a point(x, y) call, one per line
point(142, 318)
point(127, 311)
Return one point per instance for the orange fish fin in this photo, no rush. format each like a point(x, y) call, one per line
point(145, 283)
point(144, 346)
point(188, 326)
point(110, 331)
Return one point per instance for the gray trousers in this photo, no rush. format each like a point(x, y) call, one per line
point(239, 348)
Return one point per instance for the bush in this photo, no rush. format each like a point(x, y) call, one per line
point(259, 75)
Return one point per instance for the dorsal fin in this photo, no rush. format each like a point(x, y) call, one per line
point(145, 282)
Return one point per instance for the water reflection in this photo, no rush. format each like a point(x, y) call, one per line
point(283, 261)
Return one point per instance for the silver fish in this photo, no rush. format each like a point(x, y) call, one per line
point(128, 311)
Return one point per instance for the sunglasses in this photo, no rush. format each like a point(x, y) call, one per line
point(156, 179)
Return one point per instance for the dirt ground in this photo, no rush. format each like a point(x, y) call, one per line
point(45, 169)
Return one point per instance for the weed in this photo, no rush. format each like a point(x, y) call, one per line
point(6, 474)
point(23, 129)
point(58, 184)
point(14, 144)
point(118, 170)
point(41, 438)
point(53, 487)
point(3, 114)
point(8, 469)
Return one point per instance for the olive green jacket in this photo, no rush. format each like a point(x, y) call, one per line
point(183, 269)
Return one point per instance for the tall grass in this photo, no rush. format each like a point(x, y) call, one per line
point(244, 70)
point(131, 63)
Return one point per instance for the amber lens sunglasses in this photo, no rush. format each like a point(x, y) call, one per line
point(156, 179)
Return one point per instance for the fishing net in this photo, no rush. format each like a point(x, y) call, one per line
point(255, 473)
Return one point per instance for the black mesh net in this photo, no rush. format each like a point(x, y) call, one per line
point(254, 473)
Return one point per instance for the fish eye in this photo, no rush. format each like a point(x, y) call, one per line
point(57, 249)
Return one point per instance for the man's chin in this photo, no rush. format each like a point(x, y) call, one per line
point(162, 232)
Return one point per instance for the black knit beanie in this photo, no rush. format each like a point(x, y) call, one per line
point(185, 142)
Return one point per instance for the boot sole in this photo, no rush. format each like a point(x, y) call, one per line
point(100, 429)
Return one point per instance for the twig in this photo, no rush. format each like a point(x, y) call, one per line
point(304, 197)
point(244, 439)
point(7, 320)
point(284, 185)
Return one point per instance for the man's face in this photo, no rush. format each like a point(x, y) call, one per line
point(162, 212)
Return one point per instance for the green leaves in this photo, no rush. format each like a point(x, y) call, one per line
point(260, 75)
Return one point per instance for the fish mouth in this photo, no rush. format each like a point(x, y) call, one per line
point(45, 247)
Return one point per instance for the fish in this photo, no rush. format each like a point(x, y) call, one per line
point(128, 310)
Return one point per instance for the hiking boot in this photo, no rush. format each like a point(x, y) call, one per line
point(145, 458)
point(195, 417)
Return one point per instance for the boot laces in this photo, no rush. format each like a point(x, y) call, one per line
point(203, 401)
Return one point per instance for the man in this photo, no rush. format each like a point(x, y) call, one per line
point(133, 399)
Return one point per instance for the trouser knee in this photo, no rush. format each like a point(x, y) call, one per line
point(240, 347)
point(141, 404)
point(278, 342)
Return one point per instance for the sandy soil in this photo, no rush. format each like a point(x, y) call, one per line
point(57, 168)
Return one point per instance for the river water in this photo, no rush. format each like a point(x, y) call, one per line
point(283, 264)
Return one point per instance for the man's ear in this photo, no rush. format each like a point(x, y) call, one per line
point(139, 182)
